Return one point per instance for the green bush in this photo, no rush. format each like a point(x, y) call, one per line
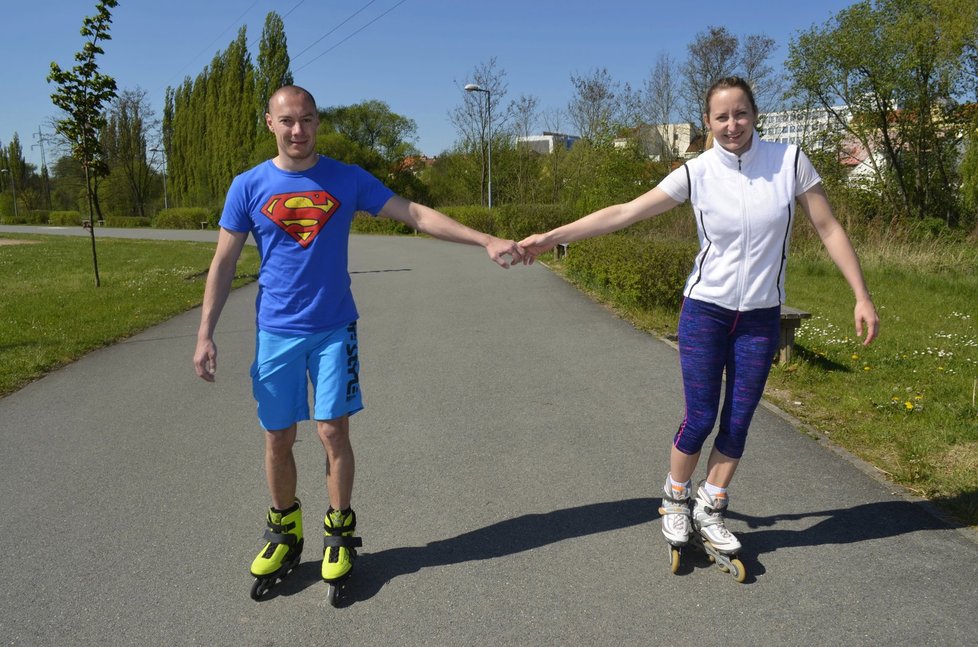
point(633, 272)
point(65, 218)
point(517, 221)
point(479, 218)
point(184, 218)
point(127, 221)
point(25, 217)
point(364, 223)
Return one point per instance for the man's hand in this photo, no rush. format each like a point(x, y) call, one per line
point(499, 248)
point(205, 359)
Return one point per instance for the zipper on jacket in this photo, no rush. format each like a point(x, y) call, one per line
point(745, 232)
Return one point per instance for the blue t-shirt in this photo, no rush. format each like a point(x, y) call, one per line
point(301, 224)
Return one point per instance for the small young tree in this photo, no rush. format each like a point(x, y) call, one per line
point(81, 93)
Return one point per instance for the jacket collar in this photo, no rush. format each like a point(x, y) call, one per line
point(731, 159)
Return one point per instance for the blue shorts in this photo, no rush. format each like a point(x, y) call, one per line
point(286, 364)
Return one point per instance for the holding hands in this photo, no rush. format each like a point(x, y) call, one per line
point(535, 245)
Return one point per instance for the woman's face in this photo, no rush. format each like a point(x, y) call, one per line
point(731, 120)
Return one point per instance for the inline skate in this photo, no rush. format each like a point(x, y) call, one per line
point(676, 516)
point(339, 551)
point(282, 552)
point(711, 534)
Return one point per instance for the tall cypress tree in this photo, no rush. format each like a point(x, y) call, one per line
point(273, 61)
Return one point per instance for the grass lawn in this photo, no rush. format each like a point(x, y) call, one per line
point(51, 313)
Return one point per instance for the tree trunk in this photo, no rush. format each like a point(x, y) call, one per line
point(91, 225)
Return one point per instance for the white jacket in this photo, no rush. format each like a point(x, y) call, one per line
point(744, 207)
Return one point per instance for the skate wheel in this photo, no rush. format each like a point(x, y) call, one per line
point(674, 559)
point(737, 570)
point(332, 594)
point(259, 588)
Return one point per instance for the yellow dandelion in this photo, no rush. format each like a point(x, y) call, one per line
point(867, 368)
point(940, 368)
point(908, 405)
point(855, 356)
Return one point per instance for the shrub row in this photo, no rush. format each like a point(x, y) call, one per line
point(185, 218)
point(65, 218)
point(632, 271)
point(364, 223)
point(515, 222)
point(25, 217)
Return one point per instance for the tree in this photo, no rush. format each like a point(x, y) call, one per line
point(130, 125)
point(715, 54)
point(210, 126)
point(890, 73)
point(526, 168)
point(553, 123)
point(475, 121)
point(81, 93)
point(373, 125)
point(659, 103)
point(597, 108)
point(273, 69)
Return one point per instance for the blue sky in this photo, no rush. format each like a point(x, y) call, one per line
point(416, 57)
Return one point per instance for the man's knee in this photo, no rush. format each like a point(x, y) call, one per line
point(334, 432)
point(280, 441)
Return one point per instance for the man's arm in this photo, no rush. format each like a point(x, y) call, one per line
point(434, 223)
point(216, 291)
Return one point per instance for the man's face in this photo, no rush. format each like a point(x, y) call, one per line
point(294, 120)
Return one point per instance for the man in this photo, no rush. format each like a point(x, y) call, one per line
point(299, 207)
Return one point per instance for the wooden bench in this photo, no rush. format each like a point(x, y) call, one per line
point(790, 320)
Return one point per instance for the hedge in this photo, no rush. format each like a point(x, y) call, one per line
point(632, 271)
point(65, 218)
point(184, 218)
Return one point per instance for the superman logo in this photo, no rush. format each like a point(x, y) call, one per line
point(302, 215)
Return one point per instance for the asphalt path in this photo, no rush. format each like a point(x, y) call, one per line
point(509, 464)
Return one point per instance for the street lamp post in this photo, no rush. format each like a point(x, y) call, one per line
point(166, 204)
point(13, 186)
point(474, 87)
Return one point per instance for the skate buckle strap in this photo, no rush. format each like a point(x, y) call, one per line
point(341, 541)
point(674, 507)
point(281, 538)
point(281, 527)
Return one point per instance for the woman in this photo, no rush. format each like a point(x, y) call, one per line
point(743, 192)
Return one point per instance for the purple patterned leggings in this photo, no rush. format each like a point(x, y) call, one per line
point(712, 339)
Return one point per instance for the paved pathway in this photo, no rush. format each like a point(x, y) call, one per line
point(509, 460)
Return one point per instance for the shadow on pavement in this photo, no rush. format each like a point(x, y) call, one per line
point(526, 532)
point(506, 537)
point(840, 526)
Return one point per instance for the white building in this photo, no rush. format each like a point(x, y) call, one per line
point(800, 127)
point(665, 142)
point(548, 142)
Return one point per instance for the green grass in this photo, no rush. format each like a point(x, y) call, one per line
point(51, 313)
point(907, 403)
